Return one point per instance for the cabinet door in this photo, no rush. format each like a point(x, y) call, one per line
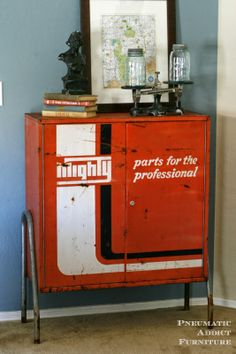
point(165, 192)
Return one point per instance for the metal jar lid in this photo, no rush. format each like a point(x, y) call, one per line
point(179, 46)
point(135, 52)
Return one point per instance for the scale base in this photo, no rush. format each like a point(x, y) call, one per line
point(152, 111)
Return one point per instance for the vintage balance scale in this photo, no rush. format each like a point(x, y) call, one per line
point(157, 108)
point(179, 75)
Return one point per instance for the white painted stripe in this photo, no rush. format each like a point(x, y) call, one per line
point(189, 263)
point(75, 139)
point(89, 181)
point(99, 309)
point(87, 158)
point(76, 232)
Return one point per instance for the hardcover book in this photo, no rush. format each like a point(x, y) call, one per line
point(71, 108)
point(53, 102)
point(58, 114)
point(68, 97)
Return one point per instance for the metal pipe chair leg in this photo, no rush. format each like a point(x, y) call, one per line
point(29, 221)
point(186, 296)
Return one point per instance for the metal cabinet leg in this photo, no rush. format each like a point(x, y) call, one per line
point(23, 271)
point(186, 296)
point(210, 297)
point(27, 220)
point(210, 308)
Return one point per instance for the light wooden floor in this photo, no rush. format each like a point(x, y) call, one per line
point(143, 332)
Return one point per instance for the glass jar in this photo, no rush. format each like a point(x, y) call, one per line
point(135, 68)
point(179, 69)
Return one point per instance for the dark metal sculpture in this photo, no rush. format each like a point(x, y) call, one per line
point(75, 81)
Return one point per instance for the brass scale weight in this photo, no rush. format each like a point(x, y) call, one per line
point(157, 108)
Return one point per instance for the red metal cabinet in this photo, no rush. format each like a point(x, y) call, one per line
point(118, 201)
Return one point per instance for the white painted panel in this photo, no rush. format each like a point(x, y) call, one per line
point(76, 139)
point(189, 263)
point(76, 232)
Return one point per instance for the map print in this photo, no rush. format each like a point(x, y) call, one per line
point(119, 33)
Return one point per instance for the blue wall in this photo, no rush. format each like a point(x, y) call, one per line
point(32, 34)
point(197, 26)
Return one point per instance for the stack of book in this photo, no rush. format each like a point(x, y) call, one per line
point(66, 105)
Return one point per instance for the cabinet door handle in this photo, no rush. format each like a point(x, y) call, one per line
point(132, 203)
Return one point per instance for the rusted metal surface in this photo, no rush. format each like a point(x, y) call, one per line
point(116, 285)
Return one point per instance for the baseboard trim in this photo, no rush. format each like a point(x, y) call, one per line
point(225, 302)
point(102, 309)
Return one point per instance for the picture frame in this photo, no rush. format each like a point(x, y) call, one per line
point(92, 34)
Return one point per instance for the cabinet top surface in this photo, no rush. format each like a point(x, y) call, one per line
point(115, 118)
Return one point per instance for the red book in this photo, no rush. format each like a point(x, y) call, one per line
point(51, 102)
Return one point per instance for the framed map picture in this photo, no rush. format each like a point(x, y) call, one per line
point(119, 33)
point(110, 28)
